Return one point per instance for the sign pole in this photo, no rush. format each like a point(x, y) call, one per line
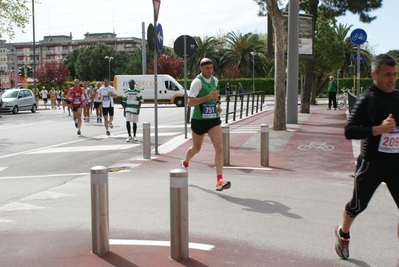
point(156, 4)
point(358, 72)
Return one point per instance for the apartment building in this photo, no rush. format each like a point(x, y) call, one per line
point(55, 48)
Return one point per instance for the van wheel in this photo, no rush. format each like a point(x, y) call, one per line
point(15, 110)
point(179, 101)
point(34, 108)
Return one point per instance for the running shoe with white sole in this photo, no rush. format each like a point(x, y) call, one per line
point(134, 138)
point(182, 166)
point(341, 245)
point(129, 139)
point(221, 185)
point(108, 133)
point(110, 125)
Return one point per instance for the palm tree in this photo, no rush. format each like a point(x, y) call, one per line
point(238, 52)
point(207, 47)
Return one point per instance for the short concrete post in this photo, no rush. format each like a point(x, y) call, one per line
point(179, 215)
point(146, 140)
point(264, 145)
point(226, 144)
point(99, 210)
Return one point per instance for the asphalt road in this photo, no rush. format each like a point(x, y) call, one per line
point(276, 216)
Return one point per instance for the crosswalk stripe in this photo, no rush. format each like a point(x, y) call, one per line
point(84, 148)
point(14, 206)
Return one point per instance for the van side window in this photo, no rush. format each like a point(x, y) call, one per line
point(171, 86)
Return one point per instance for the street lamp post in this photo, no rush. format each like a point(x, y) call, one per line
point(109, 66)
point(253, 71)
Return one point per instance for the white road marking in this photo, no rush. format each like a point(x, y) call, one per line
point(45, 195)
point(5, 220)
point(3, 168)
point(15, 206)
point(173, 143)
point(158, 243)
point(33, 151)
point(45, 176)
point(85, 148)
point(249, 168)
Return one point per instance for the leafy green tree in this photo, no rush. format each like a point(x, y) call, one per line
point(330, 54)
point(14, 14)
point(331, 9)
point(394, 53)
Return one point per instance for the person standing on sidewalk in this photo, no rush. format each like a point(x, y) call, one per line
point(332, 93)
point(131, 103)
point(227, 90)
point(107, 93)
point(374, 118)
point(203, 96)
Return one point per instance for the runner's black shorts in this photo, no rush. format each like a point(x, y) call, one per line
point(97, 104)
point(201, 127)
point(108, 111)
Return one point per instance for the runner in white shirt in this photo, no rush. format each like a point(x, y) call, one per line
point(107, 93)
point(87, 106)
point(44, 94)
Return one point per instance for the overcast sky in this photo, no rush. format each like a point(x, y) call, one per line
point(180, 17)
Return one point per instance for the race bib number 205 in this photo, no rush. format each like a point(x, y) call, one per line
point(389, 142)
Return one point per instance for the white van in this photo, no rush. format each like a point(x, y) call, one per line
point(169, 90)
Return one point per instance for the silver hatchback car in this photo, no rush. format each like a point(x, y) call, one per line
point(15, 100)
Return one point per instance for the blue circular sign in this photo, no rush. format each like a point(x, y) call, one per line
point(361, 58)
point(159, 38)
point(358, 36)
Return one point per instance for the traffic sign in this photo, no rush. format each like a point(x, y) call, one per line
point(358, 36)
point(150, 36)
point(361, 58)
point(159, 37)
point(191, 46)
point(157, 5)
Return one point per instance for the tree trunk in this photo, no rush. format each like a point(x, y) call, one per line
point(307, 87)
point(279, 122)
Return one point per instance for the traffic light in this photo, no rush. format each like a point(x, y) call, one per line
point(350, 70)
point(21, 72)
point(29, 72)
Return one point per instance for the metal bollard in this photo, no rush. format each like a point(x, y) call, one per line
point(178, 215)
point(264, 145)
point(226, 144)
point(146, 140)
point(99, 210)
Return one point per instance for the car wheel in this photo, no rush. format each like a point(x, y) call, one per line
point(179, 102)
point(34, 108)
point(15, 110)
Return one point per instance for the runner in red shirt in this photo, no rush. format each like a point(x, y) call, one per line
point(75, 96)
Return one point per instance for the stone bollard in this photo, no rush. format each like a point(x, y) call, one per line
point(226, 144)
point(264, 145)
point(99, 210)
point(146, 140)
point(178, 215)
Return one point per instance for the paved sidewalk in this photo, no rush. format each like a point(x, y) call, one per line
point(280, 215)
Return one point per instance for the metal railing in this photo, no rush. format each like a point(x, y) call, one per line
point(243, 103)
